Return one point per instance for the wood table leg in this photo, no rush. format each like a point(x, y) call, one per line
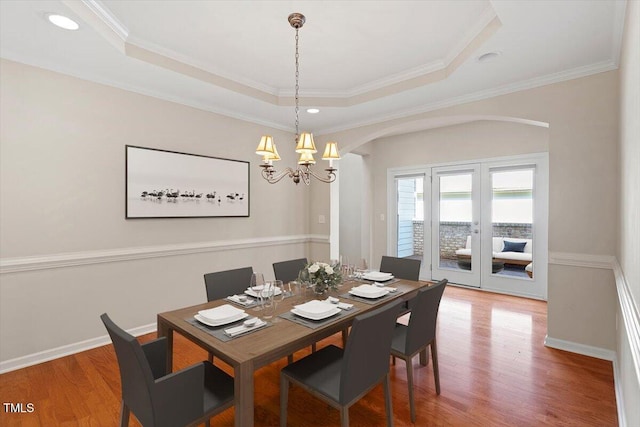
point(165, 331)
point(243, 383)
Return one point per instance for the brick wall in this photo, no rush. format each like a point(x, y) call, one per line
point(453, 235)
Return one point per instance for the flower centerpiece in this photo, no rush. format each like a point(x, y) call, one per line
point(323, 276)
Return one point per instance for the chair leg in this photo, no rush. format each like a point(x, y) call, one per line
point(424, 358)
point(387, 400)
point(124, 415)
point(412, 407)
point(344, 416)
point(345, 335)
point(284, 400)
point(434, 356)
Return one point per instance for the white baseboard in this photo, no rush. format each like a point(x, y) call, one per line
point(66, 350)
point(586, 350)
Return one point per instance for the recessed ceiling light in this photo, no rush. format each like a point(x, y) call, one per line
point(489, 56)
point(313, 110)
point(62, 21)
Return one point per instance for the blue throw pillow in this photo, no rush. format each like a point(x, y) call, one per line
point(514, 246)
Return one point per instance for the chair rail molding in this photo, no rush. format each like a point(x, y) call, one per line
point(70, 259)
point(582, 260)
point(630, 316)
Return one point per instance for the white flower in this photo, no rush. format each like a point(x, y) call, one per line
point(328, 269)
point(314, 268)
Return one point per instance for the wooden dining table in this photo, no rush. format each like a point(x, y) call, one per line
point(249, 352)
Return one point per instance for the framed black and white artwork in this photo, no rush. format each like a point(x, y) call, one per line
point(169, 184)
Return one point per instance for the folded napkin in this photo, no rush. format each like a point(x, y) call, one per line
point(236, 299)
point(382, 286)
point(242, 329)
point(341, 305)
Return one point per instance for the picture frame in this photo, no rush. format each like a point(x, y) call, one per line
point(171, 184)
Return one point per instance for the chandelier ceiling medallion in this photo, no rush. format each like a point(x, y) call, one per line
point(304, 141)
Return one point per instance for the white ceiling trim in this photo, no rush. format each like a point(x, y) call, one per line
point(101, 21)
point(47, 66)
point(618, 29)
point(118, 35)
point(162, 52)
point(485, 94)
point(482, 29)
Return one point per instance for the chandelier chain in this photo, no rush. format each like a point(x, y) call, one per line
point(297, 97)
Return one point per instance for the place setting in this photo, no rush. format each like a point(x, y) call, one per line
point(376, 276)
point(226, 322)
point(317, 313)
point(370, 293)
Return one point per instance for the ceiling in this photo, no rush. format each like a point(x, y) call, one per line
point(361, 62)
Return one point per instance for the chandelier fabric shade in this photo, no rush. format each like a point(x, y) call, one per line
point(305, 146)
point(306, 158)
point(266, 146)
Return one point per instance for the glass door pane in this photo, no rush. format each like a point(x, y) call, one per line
point(456, 243)
point(512, 222)
point(410, 217)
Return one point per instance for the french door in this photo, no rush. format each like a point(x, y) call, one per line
point(480, 224)
point(455, 237)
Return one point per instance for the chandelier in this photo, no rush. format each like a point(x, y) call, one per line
point(304, 141)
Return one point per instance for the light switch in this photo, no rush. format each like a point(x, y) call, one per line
point(381, 217)
point(320, 219)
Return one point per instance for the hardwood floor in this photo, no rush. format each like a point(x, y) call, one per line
point(494, 370)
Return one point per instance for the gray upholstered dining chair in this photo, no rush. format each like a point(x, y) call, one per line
point(341, 377)
point(221, 284)
point(419, 334)
point(402, 268)
point(161, 399)
point(288, 271)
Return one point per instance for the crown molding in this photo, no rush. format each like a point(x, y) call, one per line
point(107, 17)
point(559, 77)
point(17, 57)
point(618, 30)
point(105, 23)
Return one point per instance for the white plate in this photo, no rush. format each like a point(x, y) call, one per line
point(253, 293)
point(377, 276)
point(219, 323)
point(333, 312)
point(221, 313)
point(314, 308)
point(368, 291)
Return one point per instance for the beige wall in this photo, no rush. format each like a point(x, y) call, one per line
point(628, 250)
point(63, 178)
point(582, 142)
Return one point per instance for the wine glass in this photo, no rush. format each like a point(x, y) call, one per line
point(304, 281)
point(257, 285)
point(277, 295)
